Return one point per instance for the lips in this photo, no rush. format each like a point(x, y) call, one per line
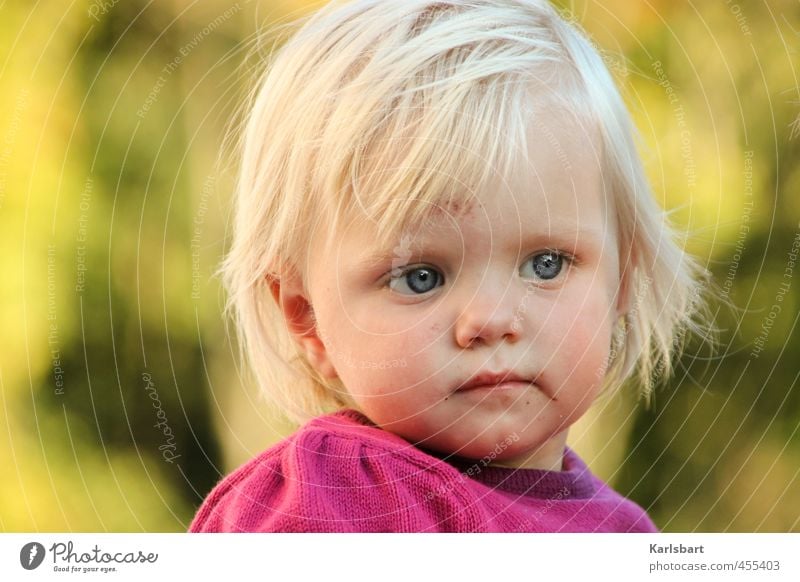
point(494, 380)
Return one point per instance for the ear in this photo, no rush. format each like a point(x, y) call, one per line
point(292, 299)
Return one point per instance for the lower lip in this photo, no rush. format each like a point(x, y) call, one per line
point(497, 387)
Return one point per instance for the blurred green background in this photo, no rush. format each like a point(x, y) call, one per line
point(123, 399)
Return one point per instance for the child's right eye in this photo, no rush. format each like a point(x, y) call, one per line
point(416, 280)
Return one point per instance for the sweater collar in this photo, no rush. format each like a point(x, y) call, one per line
point(574, 481)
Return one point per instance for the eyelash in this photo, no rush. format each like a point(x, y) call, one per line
point(568, 259)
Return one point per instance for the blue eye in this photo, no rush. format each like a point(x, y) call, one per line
point(546, 265)
point(418, 280)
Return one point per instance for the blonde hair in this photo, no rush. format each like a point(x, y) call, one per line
point(376, 105)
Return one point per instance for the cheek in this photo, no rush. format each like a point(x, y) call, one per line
point(383, 356)
point(580, 329)
point(399, 330)
point(576, 353)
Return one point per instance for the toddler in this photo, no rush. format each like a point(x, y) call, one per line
point(445, 249)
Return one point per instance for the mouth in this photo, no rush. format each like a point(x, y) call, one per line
point(496, 381)
point(497, 387)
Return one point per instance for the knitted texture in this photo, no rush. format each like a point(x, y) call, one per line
point(341, 473)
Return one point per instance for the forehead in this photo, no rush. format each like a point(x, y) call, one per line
point(553, 185)
point(555, 182)
point(560, 175)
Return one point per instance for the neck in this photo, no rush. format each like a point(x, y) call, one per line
point(549, 456)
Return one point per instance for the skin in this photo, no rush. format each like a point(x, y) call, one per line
point(489, 310)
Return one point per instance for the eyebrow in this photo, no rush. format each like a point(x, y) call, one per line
point(378, 258)
point(567, 235)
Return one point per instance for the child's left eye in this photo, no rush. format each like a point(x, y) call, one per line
point(545, 266)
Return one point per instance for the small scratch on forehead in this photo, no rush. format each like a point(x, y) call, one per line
point(454, 208)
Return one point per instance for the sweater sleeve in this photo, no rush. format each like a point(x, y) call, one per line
point(327, 482)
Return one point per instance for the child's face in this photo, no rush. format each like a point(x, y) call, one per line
point(523, 280)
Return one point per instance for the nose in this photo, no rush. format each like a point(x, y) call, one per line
point(493, 313)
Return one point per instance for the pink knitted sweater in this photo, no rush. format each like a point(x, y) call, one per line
point(341, 473)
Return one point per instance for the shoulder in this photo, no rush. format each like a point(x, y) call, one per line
point(337, 473)
point(618, 513)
